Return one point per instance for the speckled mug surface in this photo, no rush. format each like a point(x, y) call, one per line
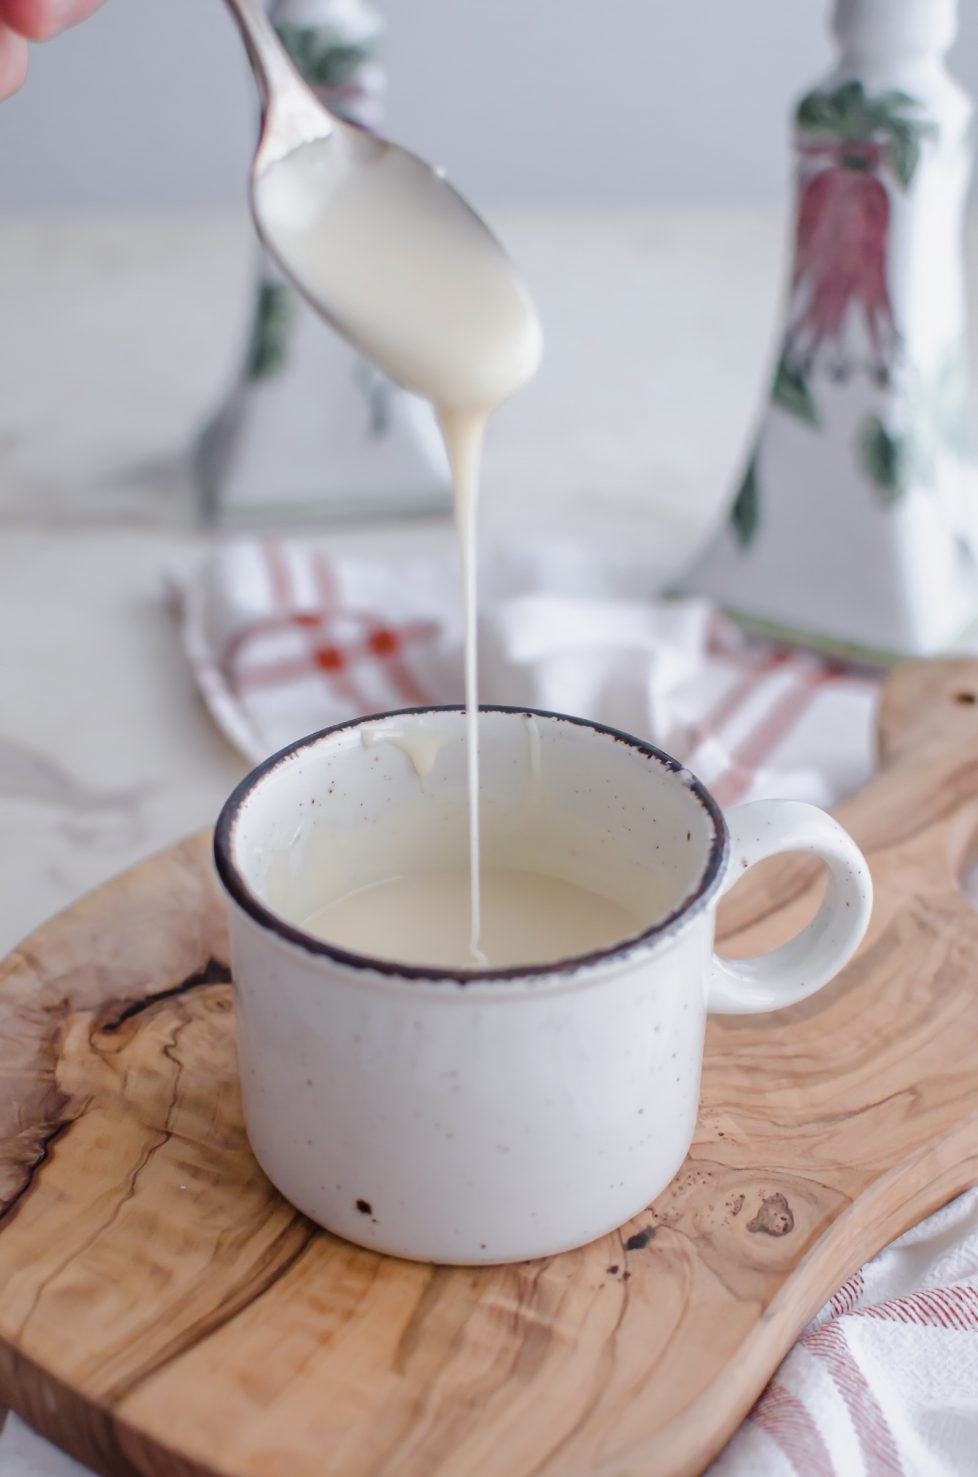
point(487, 1115)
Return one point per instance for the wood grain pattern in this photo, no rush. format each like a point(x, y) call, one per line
point(165, 1312)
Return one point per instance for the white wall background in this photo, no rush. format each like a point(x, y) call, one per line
point(149, 104)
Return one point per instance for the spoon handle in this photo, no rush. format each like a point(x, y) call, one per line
point(299, 114)
point(269, 60)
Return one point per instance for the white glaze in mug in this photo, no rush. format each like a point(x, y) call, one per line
point(489, 1116)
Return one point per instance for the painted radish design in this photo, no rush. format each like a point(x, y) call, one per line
point(851, 147)
point(840, 261)
point(855, 150)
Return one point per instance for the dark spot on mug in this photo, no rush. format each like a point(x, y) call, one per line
point(613, 1270)
point(966, 699)
point(736, 1205)
point(743, 860)
point(625, 1276)
point(774, 1218)
point(689, 835)
point(640, 1240)
point(364, 1207)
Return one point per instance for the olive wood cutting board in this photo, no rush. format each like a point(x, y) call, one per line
point(164, 1311)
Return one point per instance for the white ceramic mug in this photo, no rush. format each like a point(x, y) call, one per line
point(496, 1115)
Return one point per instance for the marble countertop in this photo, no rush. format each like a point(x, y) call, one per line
point(119, 334)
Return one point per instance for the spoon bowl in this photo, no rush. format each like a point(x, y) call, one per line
point(382, 245)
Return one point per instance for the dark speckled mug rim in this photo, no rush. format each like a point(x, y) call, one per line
point(692, 905)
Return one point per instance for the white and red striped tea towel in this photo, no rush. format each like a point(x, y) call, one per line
point(284, 640)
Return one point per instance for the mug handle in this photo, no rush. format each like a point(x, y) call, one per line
point(765, 828)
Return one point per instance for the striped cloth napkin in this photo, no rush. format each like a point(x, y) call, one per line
point(286, 639)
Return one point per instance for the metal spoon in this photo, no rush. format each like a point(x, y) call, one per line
point(291, 113)
point(381, 244)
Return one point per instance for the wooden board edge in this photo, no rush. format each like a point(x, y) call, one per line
point(949, 1166)
point(84, 1428)
point(193, 849)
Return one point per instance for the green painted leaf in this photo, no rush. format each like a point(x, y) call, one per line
point(816, 112)
point(828, 113)
point(904, 150)
point(943, 424)
point(855, 111)
point(851, 96)
point(892, 461)
point(268, 349)
point(321, 59)
point(896, 101)
point(746, 512)
point(848, 113)
point(791, 392)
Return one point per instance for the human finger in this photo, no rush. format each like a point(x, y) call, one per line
point(39, 20)
point(13, 60)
